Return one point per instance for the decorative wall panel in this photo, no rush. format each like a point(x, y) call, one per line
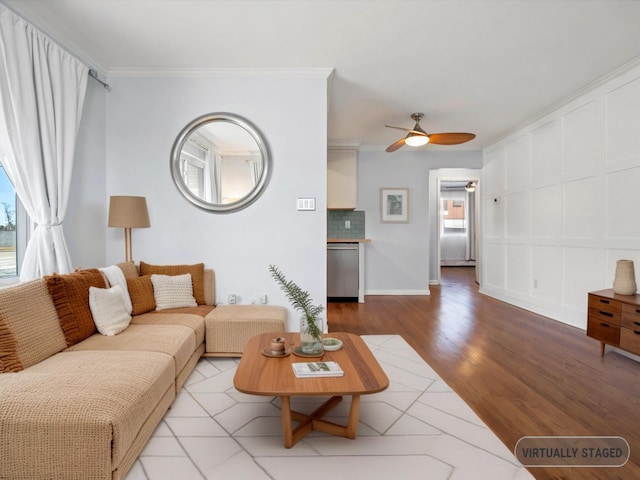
point(583, 162)
point(581, 139)
point(517, 206)
point(623, 122)
point(546, 152)
point(493, 217)
point(580, 209)
point(494, 256)
point(582, 273)
point(518, 268)
point(546, 284)
point(493, 179)
point(622, 202)
point(546, 212)
point(518, 163)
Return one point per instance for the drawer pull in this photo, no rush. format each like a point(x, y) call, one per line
point(606, 314)
point(636, 323)
point(636, 332)
point(637, 310)
point(602, 300)
point(604, 324)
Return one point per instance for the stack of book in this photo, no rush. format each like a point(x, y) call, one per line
point(317, 369)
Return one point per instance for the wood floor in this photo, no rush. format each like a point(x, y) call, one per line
point(522, 373)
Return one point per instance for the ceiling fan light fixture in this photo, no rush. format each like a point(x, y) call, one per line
point(414, 140)
point(470, 187)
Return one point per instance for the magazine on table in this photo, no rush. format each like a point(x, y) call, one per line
point(317, 369)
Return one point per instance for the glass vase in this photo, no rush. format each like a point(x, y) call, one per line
point(311, 336)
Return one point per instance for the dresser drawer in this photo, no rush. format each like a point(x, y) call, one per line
point(605, 331)
point(630, 340)
point(631, 316)
point(605, 309)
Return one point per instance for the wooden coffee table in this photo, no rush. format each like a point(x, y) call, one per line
point(261, 375)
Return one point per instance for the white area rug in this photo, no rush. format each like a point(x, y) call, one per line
point(416, 429)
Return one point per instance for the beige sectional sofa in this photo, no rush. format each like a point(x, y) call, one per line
point(82, 406)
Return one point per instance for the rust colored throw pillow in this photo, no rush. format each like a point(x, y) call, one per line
point(196, 271)
point(141, 293)
point(70, 294)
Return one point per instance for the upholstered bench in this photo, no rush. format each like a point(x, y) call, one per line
point(229, 327)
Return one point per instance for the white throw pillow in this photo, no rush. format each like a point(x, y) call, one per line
point(109, 310)
point(115, 276)
point(173, 291)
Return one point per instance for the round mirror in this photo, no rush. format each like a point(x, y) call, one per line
point(220, 162)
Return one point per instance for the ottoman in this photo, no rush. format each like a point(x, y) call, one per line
point(229, 327)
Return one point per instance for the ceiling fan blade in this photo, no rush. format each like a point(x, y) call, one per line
point(417, 132)
point(395, 146)
point(452, 138)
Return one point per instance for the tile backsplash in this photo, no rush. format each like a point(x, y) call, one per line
point(336, 224)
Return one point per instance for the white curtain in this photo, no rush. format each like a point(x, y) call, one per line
point(256, 168)
point(470, 243)
point(42, 89)
point(212, 184)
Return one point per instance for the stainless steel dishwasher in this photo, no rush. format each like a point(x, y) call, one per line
point(342, 271)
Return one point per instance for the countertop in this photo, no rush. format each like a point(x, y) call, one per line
point(348, 240)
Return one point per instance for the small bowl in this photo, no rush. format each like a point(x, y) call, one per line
point(331, 344)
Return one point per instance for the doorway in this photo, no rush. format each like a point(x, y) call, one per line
point(457, 224)
point(460, 223)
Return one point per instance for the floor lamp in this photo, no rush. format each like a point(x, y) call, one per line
point(128, 212)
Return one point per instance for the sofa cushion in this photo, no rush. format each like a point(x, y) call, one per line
point(109, 309)
point(196, 271)
point(175, 340)
point(70, 293)
point(29, 327)
point(79, 412)
point(188, 317)
point(141, 293)
point(173, 291)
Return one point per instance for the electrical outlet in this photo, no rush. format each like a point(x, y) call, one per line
point(231, 299)
point(263, 298)
point(347, 224)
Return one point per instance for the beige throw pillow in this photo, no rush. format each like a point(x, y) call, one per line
point(173, 291)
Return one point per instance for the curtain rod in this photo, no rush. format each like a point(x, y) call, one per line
point(93, 74)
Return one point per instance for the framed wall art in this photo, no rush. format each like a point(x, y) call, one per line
point(394, 205)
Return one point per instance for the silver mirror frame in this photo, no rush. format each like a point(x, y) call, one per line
point(194, 125)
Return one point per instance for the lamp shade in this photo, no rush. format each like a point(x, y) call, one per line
point(128, 212)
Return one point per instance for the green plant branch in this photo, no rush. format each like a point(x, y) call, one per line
point(300, 300)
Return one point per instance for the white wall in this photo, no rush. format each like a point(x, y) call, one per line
point(144, 115)
point(567, 190)
point(397, 261)
point(85, 222)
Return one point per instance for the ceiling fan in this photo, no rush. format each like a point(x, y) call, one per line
point(417, 136)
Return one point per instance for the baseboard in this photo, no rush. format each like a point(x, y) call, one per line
point(398, 292)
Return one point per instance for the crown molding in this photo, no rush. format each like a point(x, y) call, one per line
point(222, 72)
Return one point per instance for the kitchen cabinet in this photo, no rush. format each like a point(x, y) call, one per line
point(342, 191)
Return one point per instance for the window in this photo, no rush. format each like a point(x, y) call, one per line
point(8, 228)
point(14, 227)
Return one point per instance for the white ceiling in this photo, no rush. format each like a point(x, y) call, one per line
point(479, 66)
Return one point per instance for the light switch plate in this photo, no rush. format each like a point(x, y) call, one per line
point(306, 203)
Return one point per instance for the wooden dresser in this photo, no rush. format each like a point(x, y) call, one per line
point(614, 320)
